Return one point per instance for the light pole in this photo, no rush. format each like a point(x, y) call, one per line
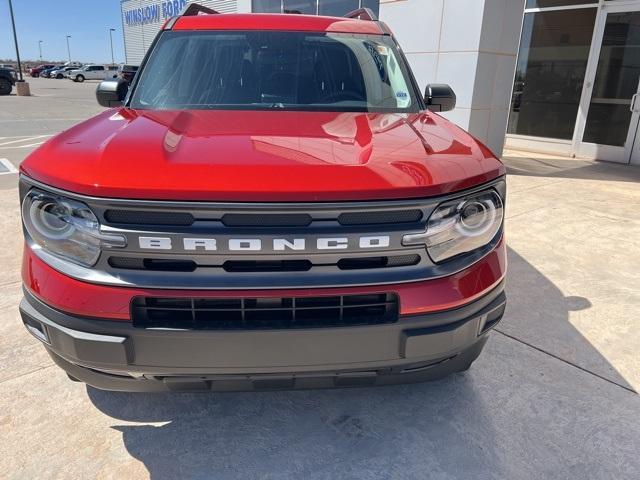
point(15, 40)
point(40, 49)
point(68, 49)
point(111, 30)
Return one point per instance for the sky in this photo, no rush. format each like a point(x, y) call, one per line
point(87, 21)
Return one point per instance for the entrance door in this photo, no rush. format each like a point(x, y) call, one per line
point(609, 115)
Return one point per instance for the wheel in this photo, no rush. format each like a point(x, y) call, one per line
point(5, 86)
point(80, 78)
point(59, 76)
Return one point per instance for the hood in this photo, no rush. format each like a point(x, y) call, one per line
point(213, 155)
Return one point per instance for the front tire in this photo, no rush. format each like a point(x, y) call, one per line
point(59, 76)
point(80, 78)
point(5, 86)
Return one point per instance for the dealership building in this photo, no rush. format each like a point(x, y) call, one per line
point(553, 76)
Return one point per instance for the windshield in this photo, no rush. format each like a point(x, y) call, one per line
point(275, 70)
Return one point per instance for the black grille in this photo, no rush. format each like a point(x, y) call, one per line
point(264, 313)
point(142, 217)
point(177, 265)
point(185, 219)
point(378, 262)
point(267, 266)
point(252, 220)
point(156, 264)
point(380, 218)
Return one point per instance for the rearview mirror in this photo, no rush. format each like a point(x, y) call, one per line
point(111, 93)
point(439, 97)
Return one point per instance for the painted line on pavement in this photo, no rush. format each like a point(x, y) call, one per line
point(21, 146)
point(24, 139)
point(6, 164)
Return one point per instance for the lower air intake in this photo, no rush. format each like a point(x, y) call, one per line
point(272, 313)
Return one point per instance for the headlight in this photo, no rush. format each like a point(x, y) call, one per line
point(461, 226)
point(65, 228)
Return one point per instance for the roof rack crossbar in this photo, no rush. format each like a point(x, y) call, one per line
point(363, 14)
point(197, 9)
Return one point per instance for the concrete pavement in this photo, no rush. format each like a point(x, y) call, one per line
point(553, 395)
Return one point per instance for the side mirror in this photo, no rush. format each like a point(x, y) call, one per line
point(110, 93)
point(439, 97)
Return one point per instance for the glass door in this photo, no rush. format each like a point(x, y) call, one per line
point(609, 112)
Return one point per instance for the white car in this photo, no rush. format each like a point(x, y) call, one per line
point(88, 72)
point(61, 72)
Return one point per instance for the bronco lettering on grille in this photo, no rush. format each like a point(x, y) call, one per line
point(257, 244)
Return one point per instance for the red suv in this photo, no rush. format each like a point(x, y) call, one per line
point(271, 204)
point(36, 71)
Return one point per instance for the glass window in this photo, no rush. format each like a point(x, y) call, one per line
point(307, 7)
point(616, 81)
point(266, 6)
point(550, 71)
point(262, 70)
point(338, 8)
point(372, 4)
point(556, 3)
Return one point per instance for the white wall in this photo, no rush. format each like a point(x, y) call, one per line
point(469, 44)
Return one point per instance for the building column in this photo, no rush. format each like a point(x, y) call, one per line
point(469, 44)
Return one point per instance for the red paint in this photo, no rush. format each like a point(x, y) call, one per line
point(267, 21)
point(101, 301)
point(262, 156)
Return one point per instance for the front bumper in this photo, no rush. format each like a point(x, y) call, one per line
point(114, 355)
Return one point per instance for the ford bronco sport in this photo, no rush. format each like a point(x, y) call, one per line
point(271, 204)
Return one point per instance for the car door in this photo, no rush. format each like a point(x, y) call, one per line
point(98, 72)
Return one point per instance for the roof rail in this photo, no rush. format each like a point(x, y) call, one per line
point(197, 9)
point(363, 14)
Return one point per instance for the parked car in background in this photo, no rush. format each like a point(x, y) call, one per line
point(88, 72)
point(127, 72)
point(112, 71)
point(7, 81)
point(7, 66)
point(60, 72)
point(35, 71)
point(46, 73)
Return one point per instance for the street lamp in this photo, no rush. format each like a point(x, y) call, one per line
point(40, 49)
point(111, 30)
point(68, 49)
point(15, 40)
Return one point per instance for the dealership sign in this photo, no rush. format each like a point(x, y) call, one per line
point(154, 12)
